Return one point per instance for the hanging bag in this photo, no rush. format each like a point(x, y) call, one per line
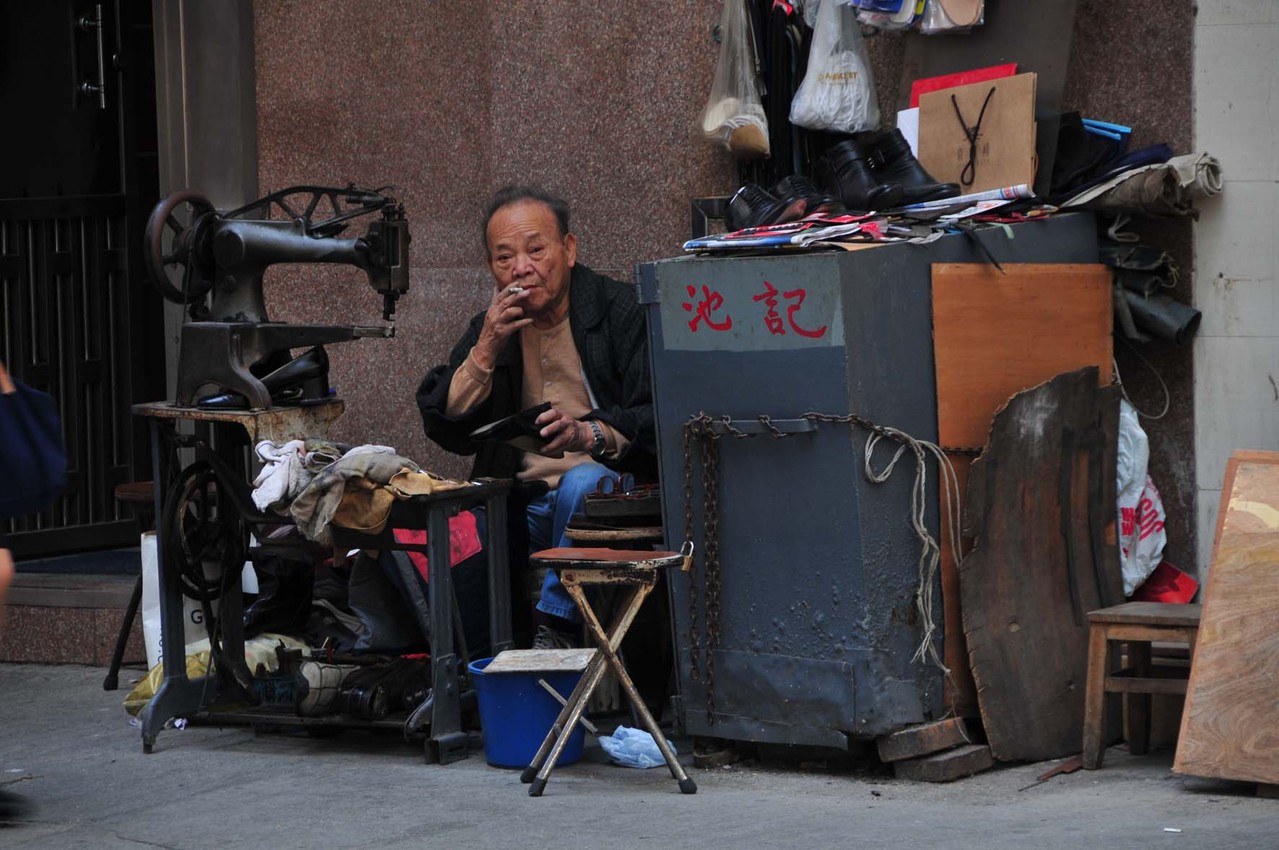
point(838, 92)
point(952, 16)
point(32, 460)
point(734, 116)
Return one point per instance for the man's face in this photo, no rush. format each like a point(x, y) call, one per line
point(527, 250)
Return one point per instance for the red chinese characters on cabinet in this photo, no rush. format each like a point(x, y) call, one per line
point(706, 310)
point(773, 319)
point(710, 304)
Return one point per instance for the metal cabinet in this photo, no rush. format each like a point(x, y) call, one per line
point(812, 623)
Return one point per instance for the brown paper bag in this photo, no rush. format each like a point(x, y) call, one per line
point(1005, 148)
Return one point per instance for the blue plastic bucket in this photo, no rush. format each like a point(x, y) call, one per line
point(516, 713)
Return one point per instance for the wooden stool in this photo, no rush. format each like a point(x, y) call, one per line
point(1138, 624)
point(636, 572)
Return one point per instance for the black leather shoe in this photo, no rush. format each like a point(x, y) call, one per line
point(845, 170)
point(815, 200)
point(755, 206)
point(304, 378)
point(893, 160)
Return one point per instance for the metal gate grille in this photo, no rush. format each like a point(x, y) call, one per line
point(64, 293)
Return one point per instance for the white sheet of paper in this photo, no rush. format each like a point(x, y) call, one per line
point(908, 123)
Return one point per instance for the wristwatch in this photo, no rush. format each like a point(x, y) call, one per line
point(598, 445)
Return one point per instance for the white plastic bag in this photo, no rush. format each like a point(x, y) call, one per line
point(192, 611)
point(734, 116)
point(1141, 511)
point(633, 748)
point(838, 91)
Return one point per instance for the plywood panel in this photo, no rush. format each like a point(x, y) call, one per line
point(1230, 726)
point(1040, 502)
point(995, 334)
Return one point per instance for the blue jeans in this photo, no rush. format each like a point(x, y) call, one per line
point(548, 516)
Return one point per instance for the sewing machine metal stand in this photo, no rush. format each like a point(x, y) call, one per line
point(237, 369)
point(181, 696)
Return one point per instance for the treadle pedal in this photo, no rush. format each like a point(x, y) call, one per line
point(419, 719)
point(448, 748)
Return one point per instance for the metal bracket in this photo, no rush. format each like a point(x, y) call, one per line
point(703, 212)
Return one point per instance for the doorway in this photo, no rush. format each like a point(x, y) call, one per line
point(78, 177)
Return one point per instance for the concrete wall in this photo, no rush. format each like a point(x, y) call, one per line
point(1236, 364)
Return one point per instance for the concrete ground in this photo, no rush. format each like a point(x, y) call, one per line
point(69, 748)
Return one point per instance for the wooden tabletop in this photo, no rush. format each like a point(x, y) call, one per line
point(1148, 614)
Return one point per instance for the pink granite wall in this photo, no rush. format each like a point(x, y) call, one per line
point(449, 101)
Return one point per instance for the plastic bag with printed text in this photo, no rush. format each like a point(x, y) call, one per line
point(1141, 511)
point(838, 91)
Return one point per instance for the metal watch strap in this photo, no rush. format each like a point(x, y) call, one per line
point(598, 445)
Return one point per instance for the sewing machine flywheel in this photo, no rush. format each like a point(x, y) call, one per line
point(204, 541)
point(172, 239)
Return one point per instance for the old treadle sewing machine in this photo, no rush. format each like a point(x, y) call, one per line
point(231, 342)
point(238, 375)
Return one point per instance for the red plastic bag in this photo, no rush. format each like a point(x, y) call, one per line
point(1167, 584)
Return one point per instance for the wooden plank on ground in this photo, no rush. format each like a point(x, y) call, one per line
point(1041, 505)
point(989, 332)
point(1228, 728)
point(922, 740)
point(948, 766)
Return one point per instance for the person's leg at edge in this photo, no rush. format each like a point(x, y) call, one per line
point(565, 501)
point(13, 807)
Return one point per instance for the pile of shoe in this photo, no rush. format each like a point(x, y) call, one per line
point(371, 689)
point(861, 174)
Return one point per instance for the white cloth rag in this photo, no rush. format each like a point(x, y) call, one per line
point(282, 473)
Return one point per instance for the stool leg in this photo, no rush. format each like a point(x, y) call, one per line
point(609, 648)
point(1139, 704)
point(686, 784)
point(112, 681)
point(1095, 696)
point(593, 671)
point(539, 771)
point(575, 708)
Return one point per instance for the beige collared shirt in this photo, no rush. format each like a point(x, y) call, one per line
point(552, 372)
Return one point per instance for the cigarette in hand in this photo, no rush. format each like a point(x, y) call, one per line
point(514, 290)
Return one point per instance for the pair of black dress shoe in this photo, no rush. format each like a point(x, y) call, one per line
point(304, 378)
point(794, 197)
point(869, 174)
point(879, 172)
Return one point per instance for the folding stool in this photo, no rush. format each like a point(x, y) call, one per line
point(636, 573)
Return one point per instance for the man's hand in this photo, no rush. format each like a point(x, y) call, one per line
point(504, 318)
point(563, 433)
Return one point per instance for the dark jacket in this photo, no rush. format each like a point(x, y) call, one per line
point(612, 341)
